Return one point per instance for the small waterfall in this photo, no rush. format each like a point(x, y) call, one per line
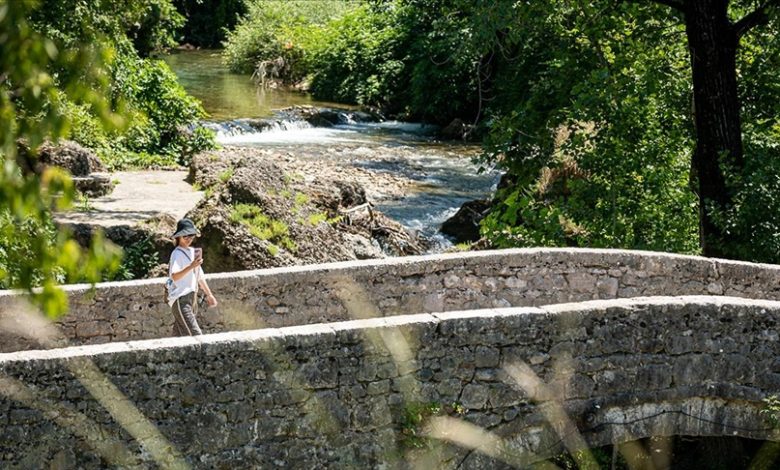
point(255, 130)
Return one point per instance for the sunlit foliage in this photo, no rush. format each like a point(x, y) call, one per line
point(32, 253)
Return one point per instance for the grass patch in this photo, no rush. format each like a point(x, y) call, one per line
point(301, 199)
point(263, 227)
point(318, 218)
point(226, 175)
point(463, 246)
point(289, 178)
point(84, 203)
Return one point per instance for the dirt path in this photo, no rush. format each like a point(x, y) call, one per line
point(137, 196)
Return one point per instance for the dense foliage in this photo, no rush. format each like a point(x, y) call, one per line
point(587, 107)
point(277, 31)
point(159, 113)
point(32, 253)
point(80, 69)
point(208, 21)
point(405, 58)
point(598, 140)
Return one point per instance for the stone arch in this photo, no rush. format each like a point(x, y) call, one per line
point(620, 369)
point(283, 297)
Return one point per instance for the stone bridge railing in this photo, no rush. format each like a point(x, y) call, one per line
point(334, 395)
point(437, 283)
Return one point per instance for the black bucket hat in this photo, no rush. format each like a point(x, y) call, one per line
point(185, 227)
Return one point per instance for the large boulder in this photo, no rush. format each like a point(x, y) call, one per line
point(153, 235)
point(94, 185)
point(78, 160)
point(457, 130)
point(464, 225)
point(260, 213)
point(84, 166)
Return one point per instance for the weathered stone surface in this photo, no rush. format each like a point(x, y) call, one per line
point(78, 160)
point(335, 395)
point(449, 282)
point(94, 185)
point(319, 215)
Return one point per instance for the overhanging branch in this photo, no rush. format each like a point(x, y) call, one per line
point(676, 4)
point(757, 17)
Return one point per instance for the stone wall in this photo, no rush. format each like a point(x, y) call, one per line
point(340, 291)
point(334, 395)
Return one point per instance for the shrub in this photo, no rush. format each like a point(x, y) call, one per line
point(274, 30)
point(138, 259)
point(159, 118)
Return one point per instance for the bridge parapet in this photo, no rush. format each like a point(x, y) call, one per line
point(459, 281)
point(335, 395)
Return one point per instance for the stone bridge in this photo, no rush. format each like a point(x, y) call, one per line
point(527, 351)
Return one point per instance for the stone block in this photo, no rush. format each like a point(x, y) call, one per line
point(581, 282)
point(474, 397)
point(487, 357)
point(694, 369)
point(381, 387)
point(91, 329)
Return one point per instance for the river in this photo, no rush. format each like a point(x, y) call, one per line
point(444, 172)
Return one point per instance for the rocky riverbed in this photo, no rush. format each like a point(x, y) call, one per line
point(267, 207)
point(282, 204)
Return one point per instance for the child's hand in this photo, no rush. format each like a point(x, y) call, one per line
point(211, 300)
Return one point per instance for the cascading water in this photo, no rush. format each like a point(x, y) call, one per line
point(443, 173)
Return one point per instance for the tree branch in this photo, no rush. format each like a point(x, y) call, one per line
point(757, 17)
point(676, 4)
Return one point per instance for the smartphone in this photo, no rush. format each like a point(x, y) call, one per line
point(198, 253)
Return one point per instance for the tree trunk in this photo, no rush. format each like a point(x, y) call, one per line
point(713, 42)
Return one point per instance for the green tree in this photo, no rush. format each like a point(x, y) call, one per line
point(596, 99)
point(587, 115)
point(208, 21)
point(159, 112)
point(713, 40)
point(32, 254)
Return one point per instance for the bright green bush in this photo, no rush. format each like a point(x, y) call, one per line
point(354, 58)
point(275, 29)
point(20, 242)
point(163, 111)
point(407, 58)
point(597, 141)
point(158, 115)
point(138, 259)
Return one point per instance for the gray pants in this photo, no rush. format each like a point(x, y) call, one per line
point(185, 322)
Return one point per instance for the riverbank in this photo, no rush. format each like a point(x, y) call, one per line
point(269, 207)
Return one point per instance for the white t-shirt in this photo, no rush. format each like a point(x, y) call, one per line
point(180, 259)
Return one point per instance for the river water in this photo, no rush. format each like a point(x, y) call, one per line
point(443, 171)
